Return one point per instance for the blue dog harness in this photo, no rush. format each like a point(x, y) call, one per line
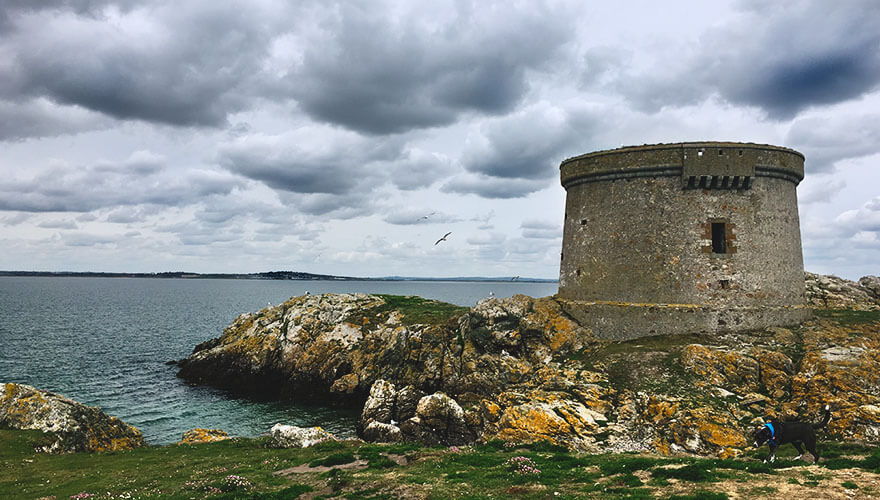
point(772, 433)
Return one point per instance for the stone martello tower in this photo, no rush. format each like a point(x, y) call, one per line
point(680, 238)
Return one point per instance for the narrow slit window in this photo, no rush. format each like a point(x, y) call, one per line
point(719, 237)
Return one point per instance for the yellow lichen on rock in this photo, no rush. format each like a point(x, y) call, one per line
point(199, 435)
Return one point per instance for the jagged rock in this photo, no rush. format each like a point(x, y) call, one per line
point(837, 293)
point(406, 403)
point(872, 285)
point(379, 432)
point(72, 426)
point(291, 436)
point(380, 406)
point(439, 419)
point(197, 435)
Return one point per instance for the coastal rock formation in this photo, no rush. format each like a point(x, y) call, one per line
point(336, 346)
point(520, 369)
point(838, 293)
point(70, 426)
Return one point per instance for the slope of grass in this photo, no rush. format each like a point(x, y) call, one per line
point(246, 469)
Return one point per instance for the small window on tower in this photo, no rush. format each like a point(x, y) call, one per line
point(719, 237)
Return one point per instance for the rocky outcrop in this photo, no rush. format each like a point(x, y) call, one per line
point(520, 370)
point(837, 293)
point(198, 436)
point(291, 436)
point(70, 426)
point(337, 346)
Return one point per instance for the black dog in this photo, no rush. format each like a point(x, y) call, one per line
point(777, 433)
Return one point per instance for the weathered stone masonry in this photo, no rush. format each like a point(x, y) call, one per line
point(679, 238)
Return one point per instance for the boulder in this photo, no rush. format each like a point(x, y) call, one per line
point(380, 405)
point(439, 419)
point(291, 436)
point(73, 426)
point(197, 435)
point(379, 432)
point(871, 284)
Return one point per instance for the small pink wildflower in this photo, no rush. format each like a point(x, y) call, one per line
point(523, 466)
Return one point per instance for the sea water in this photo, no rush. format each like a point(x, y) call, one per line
point(105, 342)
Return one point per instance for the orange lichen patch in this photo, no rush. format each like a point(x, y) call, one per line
point(528, 423)
point(490, 410)
point(11, 391)
point(661, 446)
point(718, 367)
point(238, 328)
point(659, 412)
point(559, 331)
point(198, 435)
point(721, 436)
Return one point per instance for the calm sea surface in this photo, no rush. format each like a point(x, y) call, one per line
point(104, 342)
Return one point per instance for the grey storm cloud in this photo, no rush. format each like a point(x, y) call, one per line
point(43, 118)
point(178, 64)
point(526, 145)
point(419, 169)
point(377, 74)
point(781, 58)
point(142, 179)
point(310, 160)
point(493, 187)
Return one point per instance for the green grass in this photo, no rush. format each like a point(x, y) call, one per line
point(416, 310)
point(847, 316)
point(699, 495)
point(244, 469)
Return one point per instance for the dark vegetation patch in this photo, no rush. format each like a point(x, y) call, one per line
point(650, 364)
point(847, 316)
point(417, 310)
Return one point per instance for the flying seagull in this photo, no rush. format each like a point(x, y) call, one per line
point(443, 238)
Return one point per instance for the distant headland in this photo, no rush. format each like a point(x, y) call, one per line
point(270, 275)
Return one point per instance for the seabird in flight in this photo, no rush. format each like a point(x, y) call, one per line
point(443, 238)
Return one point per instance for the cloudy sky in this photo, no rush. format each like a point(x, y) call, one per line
point(347, 137)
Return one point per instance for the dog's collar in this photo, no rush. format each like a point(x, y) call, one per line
point(772, 431)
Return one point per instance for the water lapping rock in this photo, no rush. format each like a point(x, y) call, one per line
point(520, 370)
point(70, 426)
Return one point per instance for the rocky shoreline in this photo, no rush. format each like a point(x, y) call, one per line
point(519, 370)
point(69, 426)
point(522, 370)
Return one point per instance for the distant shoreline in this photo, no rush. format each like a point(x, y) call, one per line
point(272, 275)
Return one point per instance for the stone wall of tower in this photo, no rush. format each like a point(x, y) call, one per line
point(638, 256)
